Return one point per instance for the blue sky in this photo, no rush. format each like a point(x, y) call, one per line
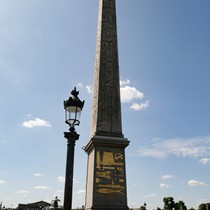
point(48, 47)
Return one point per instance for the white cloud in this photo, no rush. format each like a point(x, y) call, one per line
point(38, 174)
point(152, 152)
point(191, 148)
point(80, 85)
point(167, 177)
point(2, 182)
point(61, 179)
point(124, 82)
point(22, 192)
point(194, 183)
point(8, 198)
point(41, 187)
point(59, 191)
point(128, 94)
point(150, 196)
point(204, 160)
point(140, 106)
point(3, 141)
point(37, 122)
point(163, 185)
point(89, 88)
point(80, 192)
point(138, 185)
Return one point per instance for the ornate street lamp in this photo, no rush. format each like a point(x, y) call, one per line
point(73, 107)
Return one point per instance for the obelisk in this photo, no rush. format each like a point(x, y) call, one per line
point(106, 174)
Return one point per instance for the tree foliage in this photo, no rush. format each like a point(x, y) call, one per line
point(180, 206)
point(204, 206)
point(170, 204)
point(143, 207)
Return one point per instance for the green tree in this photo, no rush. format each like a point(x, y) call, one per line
point(142, 208)
point(168, 203)
point(202, 206)
point(180, 206)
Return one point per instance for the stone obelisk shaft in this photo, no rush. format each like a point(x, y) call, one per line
point(106, 115)
point(106, 175)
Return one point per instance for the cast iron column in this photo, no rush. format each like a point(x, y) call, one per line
point(71, 137)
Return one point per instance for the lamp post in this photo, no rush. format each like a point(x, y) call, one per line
point(73, 107)
point(145, 206)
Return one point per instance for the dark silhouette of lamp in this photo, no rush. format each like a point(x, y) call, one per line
point(73, 107)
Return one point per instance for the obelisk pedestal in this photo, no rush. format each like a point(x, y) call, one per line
point(106, 179)
point(106, 174)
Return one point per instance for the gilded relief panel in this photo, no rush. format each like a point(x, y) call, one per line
point(110, 172)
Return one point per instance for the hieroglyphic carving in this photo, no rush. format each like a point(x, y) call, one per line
point(110, 173)
point(106, 110)
point(106, 180)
